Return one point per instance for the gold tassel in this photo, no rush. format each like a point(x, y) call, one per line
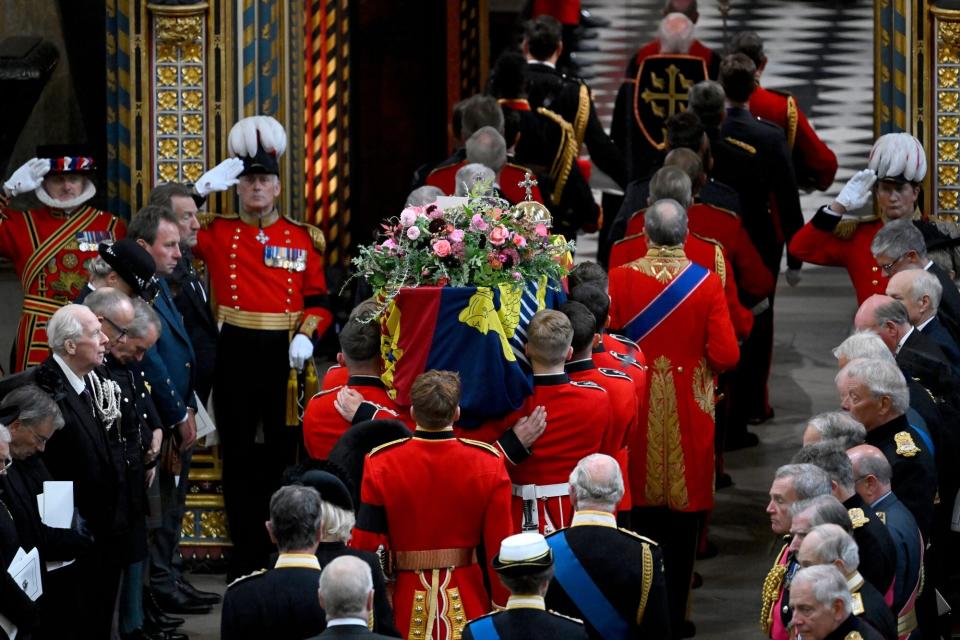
point(293, 415)
point(311, 382)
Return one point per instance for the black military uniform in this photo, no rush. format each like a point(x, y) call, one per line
point(191, 298)
point(627, 569)
point(878, 552)
point(869, 605)
point(853, 628)
point(914, 473)
point(570, 98)
point(281, 603)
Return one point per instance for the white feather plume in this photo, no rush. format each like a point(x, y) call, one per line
point(896, 154)
point(244, 136)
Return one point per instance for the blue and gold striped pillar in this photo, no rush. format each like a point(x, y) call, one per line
point(893, 74)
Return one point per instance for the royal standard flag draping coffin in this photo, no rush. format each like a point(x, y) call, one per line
point(479, 332)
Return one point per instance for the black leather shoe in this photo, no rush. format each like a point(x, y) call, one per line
point(206, 597)
point(181, 603)
point(154, 616)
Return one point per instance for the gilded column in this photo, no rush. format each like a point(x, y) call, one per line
point(943, 91)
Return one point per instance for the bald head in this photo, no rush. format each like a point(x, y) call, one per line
point(676, 33)
point(919, 291)
point(872, 472)
point(665, 223)
point(596, 483)
point(884, 316)
point(690, 163)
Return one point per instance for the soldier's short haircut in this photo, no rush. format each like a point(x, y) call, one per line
point(706, 100)
point(882, 378)
point(597, 482)
point(36, 406)
point(532, 583)
point(896, 238)
point(435, 396)
point(345, 586)
point(583, 323)
point(893, 311)
point(98, 268)
point(469, 175)
point(161, 194)
point(665, 223)
point(144, 317)
point(422, 196)
point(480, 111)
point(106, 301)
point(685, 131)
point(863, 344)
point(590, 273)
point(487, 147)
point(832, 458)
point(828, 585)
point(877, 466)
point(548, 337)
point(808, 480)
point(360, 341)
point(594, 299)
point(825, 509)
point(687, 161)
point(749, 44)
point(146, 222)
point(543, 35)
point(737, 77)
point(295, 517)
point(834, 543)
point(840, 427)
point(926, 284)
point(671, 183)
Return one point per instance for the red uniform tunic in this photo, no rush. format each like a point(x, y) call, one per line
point(725, 227)
point(623, 411)
point(511, 175)
point(49, 250)
point(436, 493)
point(323, 425)
point(566, 11)
point(706, 253)
point(542, 474)
point(277, 284)
point(623, 354)
point(818, 242)
point(813, 161)
point(673, 464)
point(336, 376)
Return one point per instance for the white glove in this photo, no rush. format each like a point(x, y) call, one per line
point(220, 178)
point(793, 277)
point(28, 177)
point(856, 192)
point(301, 350)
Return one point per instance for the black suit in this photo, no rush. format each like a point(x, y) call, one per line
point(351, 632)
point(15, 605)
point(281, 604)
point(937, 332)
point(547, 87)
point(382, 611)
point(878, 553)
point(949, 310)
point(191, 299)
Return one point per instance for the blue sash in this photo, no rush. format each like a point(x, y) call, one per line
point(583, 591)
point(666, 302)
point(483, 629)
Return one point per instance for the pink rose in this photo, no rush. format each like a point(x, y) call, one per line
point(478, 223)
point(517, 275)
point(408, 217)
point(456, 235)
point(498, 235)
point(441, 248)
point(413, 233)
point(541, 230)
point(519, 240)
point(388, 244)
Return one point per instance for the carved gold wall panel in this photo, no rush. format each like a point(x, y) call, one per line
point(944, 35)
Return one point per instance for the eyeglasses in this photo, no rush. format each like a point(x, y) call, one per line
point(41, 440)
point(887, 268)
point(121, 331)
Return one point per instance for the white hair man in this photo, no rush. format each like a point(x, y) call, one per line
point(921, 292)
point(834, 425)
point(472, 174)
point(823, 608)
point(875, 393)
point(615, 560)
point(346, 595)
point(829, 544)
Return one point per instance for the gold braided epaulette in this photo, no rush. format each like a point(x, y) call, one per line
point(316, 235)
point(772, 586)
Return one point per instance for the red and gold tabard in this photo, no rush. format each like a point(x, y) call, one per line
point(430, 500)
point(274, 284)
point(814, 162)
point(828, 241)
point(672, 464)
point(49, 250)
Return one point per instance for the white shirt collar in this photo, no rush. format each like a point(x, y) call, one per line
point(75, 381)
point(903, 340)
point(526, 602)
point(343, 622)
point(925, 323)
point(854, 582)
point(545, 63)
point(927, 266)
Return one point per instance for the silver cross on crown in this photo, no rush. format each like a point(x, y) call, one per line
point(528, 183)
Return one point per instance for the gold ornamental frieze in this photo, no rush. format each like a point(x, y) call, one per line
point(945, 94)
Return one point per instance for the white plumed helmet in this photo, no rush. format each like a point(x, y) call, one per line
point(259, 141)
point(898, 156)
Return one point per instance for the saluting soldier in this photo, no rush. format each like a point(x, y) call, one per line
point(50, 245)
point(266, 272)
point(622, 570)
